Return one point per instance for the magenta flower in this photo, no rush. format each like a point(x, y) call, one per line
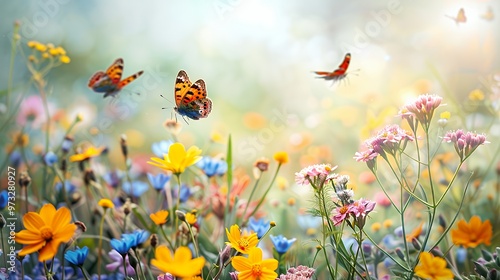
point(118, 263)
point(300, 272)
point(362, 207)
point(465, 143)
point(422, 108)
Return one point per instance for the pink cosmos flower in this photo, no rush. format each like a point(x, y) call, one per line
point(422, 108)
point(340, 214)
point(319, 174)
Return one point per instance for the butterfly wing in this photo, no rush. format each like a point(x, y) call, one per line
point(337, 74)
point(191, 99)
point(129, 79)
point(115, 71)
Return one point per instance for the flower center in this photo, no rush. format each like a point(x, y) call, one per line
point(46, 233)
point(243, 243)
point(256, 269)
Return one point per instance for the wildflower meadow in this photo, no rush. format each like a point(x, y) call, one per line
point(250, 140)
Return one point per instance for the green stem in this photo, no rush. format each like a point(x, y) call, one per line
point(139, 263)
point(3, 248)
point(84, 274)
point(267, 191)
point(15, 38)
point(99, 255)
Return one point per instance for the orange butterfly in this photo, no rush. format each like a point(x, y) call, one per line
point(461, 18)
point(489, 15)
point(110, 82)
point(337, 74)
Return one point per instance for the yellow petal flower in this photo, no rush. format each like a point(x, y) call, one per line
point(45, 231)
point(281, 157)
point(191, 218)
point(241, 242)
point(433, 268)
point(181, 264)
point(160, 217)
point(65, 59)
point(88, 153)
point(254, 267)
point(106, 203)
point(177, 159)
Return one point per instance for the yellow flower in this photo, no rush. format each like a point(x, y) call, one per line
point(40, 47)
point(45, 55)
point(32, 44)
point(89, 153)
point(476, 95)
point(61, 50)
point(177, 158)
point(254, 267)
point(281, 157)
point(376, 227)
point(241, 242)
point(65, 59)
point(282, 183)
point(181, 264)
point(45, 231)
point(106, 203)
point(445, 115)
point(191, 218)
point(433, 268)
point(216, 137)
point(388, 223)
point(473, 233)
point(160, 217)
point(53, 52)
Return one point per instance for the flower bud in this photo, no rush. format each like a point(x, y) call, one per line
point(123, 144)
point(24, 179)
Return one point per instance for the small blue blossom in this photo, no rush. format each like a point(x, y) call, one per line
point(113, 178)
point(136, 189)
point(161, 148)
point(4, 198)
point(77, 257)
point(50, 158)
point(259, 226)
point(15, 159)
point(461, 255)
point(281, 243)
point(67, 144)
point(212, 166)
point(68, 186)
point(137, 237)
point(158, 182)
point(185, 193)
point(123, 245)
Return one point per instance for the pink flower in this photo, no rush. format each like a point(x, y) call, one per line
point(31, 110)
point(362, 207)
point(366, 155)
point(319, 174)
point(340, 214)
point(422, 108)
point(465, 143)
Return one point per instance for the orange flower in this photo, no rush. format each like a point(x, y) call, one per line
point(254, 267)
point(415, 233)
point(160, 217)
point(106, 203)
point(473, 233)
point(45, 231)
point(241, 242)
point(281, 157)
point(433, 268)
point(89, 153)
point(181, 264)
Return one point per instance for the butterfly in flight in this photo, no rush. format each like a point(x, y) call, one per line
point(110, 82)
point(337, 74)
point(191, 99)
point(489, 15)
point(460, 18)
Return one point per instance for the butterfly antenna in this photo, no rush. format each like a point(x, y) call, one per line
point(161, 95)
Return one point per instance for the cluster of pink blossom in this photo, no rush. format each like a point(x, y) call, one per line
point(388, 140)
point(300, 272)
point(358, 210)
point(465, 143)
point(422, 108)
point(318, 174)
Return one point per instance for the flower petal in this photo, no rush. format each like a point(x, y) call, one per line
point(33, 222)
point(28, 237)
point(47, 212)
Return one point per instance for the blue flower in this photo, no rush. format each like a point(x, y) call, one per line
point(4, 198)
point(158, 182)
point(259, 226)
point(15, 159)
point(281, 243)
point(137, 237)
point(212, 166)
point(161, 148)
point(68, 186)
point(461, 255)
point(185, 193)
point(136, 189)
point(50, 158)
point(113, 178)
point(123, 245)
point(67, 144)
point(77, 257)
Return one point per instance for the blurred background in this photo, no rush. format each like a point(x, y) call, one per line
point(257, 58)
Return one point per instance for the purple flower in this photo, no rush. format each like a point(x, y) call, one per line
point(422, 108)
point(166, 276)
point(117, 263)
